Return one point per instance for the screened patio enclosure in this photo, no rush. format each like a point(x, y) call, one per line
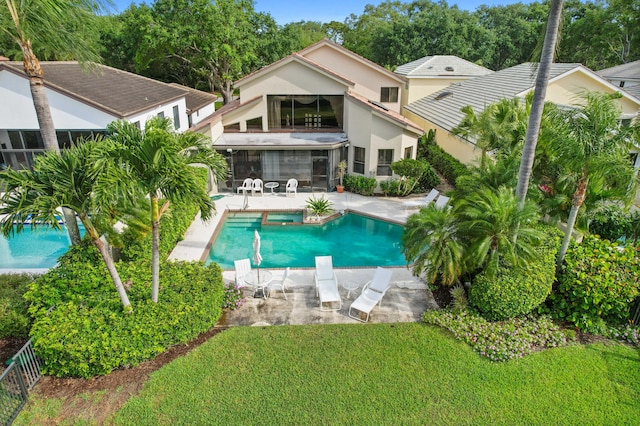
point(310, 158)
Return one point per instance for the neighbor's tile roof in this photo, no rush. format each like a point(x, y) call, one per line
point(620, 72)
point(443, 107)
point(633, 90)
point(112, 90)
point(441, 66)
point(196, 99)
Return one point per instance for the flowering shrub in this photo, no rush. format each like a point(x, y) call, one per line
point(499, 341)
point(233, 297)
point(628, 334)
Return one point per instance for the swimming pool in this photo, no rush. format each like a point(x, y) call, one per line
point(352, 239)
point(34, 248)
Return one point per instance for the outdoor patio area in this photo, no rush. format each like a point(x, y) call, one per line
point(405, 301)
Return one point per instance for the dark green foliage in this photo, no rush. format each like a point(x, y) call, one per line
point(173, 224)
point(517, 290)
point(428, 180)
point(360, 184)
point(610, 223)
point(597, 285)
point(87, 333)
point(14, 318)
point(449, 167)
point(415, 176)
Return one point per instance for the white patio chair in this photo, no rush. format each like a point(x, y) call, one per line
point(372, 294)
point(422, 202)
point(257, 187)
point(442, 202)
point(279, 284)
point(243, 268)
point(327, 283)
point(247, 185)
point(292, 187)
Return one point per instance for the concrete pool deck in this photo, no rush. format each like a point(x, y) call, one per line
point(405, 301)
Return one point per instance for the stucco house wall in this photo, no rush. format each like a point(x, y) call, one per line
point(418, 88)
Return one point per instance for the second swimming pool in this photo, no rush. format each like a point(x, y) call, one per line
point(352, 239)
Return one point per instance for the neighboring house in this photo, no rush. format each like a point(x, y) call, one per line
point(83, 102)
point(625, 76)
point(298, 117)
point(433, 73)
point(441, 110)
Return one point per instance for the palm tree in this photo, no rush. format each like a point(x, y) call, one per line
point(490, 220)
point(59, 180)
point(48, 24)
point(431, 242)
point(539, 95)
point(159, 163)
point(593, 149)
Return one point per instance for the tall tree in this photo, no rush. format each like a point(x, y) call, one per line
point(539, 95)
point(60, 25)
point(593, 148)
point(159, 163)
point(65, 179)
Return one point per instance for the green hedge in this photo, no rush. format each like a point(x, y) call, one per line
point(88, 334)
point(448, 166)
point(517, 291)
point(14, 318)
point(360, 184)
point(598, 283)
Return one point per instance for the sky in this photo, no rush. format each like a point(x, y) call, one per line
point(285, 11)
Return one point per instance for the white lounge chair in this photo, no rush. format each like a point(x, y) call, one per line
point(292, 187)
point(247, 185)
point(372, 294)
point(422, 202)
point(243, 268)
point(279, 284)
point(442, 202)
point(327, 284)
point(257, 187)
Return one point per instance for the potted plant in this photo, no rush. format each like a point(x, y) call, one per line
point(342, 169)
point(319, 206)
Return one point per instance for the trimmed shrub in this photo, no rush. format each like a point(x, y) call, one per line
point(429, 180)
point(518, 290)
point(88, 334)
point(598, 284)
point(448, 166)
point(14, 318)
point(360, 184)
point(610, 223)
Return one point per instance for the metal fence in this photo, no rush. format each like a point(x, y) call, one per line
point(16, 382)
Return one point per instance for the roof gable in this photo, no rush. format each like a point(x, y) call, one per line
point(630, 70)
point(337, 48)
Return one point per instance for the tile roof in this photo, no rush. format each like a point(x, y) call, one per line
point(441, 66)
point(117, 92)
point(443, 107)
point(632, 90)
point(195, 99)
point(630, 70)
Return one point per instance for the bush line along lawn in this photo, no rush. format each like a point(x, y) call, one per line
point(384, 374)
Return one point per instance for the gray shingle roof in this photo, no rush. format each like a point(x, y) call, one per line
point(112, 90)
point(196, 99)
point(444, 111)
point(441, 66)
point(620, 72)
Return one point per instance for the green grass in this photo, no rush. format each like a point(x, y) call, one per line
point(384, 374)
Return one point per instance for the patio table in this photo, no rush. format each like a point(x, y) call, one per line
point(259, 284)
point(272, 186)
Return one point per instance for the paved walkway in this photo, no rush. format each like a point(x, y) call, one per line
point(405, 301)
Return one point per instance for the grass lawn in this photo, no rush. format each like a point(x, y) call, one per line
point(410, 374)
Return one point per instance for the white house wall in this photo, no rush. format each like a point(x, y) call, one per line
point(167, 110)
point(368, 80)
point(17, 111)
point(291, 79)
point(418, 88)
point(204, 112)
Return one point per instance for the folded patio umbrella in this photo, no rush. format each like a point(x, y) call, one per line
point(257, 258)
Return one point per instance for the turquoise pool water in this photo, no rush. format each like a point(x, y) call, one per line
point(34, 248)
point(352, 240)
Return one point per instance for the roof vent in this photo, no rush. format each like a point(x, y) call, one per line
point(448, 69)
point(443, 95)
